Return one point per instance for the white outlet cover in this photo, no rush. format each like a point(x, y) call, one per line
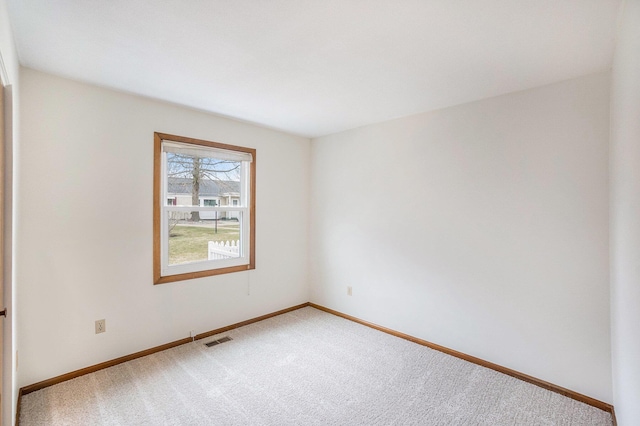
point(101, 326)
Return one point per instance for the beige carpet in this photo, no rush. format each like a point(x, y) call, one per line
point(306, 367)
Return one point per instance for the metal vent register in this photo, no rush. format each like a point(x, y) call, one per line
point(217, 342)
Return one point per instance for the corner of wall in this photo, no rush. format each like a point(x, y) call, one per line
point(624, 221)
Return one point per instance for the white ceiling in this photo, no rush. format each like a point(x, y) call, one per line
point(315, 67)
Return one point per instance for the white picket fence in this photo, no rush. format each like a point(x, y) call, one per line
point(223, 249)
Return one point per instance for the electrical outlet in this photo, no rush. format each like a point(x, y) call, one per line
point(101, 326)
point(349, 291)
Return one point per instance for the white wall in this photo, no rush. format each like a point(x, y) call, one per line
point(9, 76)
point(84, 241)
point(625, 217)
point(482, 227)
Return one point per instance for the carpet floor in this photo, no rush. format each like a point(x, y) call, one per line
point(305, 367)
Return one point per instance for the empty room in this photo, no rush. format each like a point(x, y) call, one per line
point(320, 212)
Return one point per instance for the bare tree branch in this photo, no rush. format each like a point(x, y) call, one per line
point(200, 169)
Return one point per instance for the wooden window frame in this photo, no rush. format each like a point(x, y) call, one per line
point(158, 198)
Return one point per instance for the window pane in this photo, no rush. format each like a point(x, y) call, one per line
point(191, 179)
point(205, 240)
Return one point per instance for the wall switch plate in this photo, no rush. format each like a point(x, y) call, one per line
point(349, 291)
point(101, 326)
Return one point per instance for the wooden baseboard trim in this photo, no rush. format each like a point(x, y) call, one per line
point(247, 322)
point(91, 369)
point(18, 404)
point(613, 417)
point(518, 375)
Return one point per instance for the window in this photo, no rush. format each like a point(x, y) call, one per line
point(194, 239)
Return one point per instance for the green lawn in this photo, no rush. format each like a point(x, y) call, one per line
point(188, 243)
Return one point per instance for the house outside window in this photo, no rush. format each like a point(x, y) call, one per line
point(196, 234)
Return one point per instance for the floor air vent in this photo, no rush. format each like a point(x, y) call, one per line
point(217, 342)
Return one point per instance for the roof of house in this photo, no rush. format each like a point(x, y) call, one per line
point(212, 188)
